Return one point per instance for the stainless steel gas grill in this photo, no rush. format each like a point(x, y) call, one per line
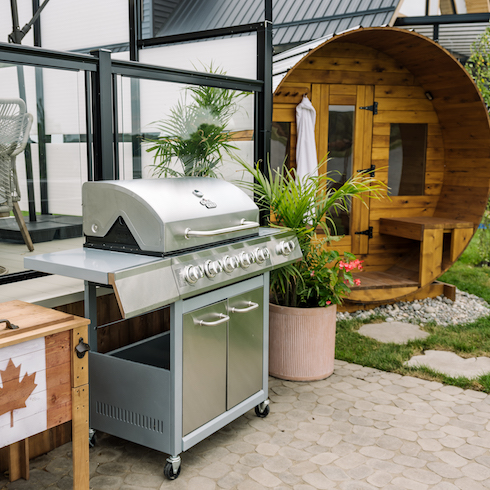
point(195, 245)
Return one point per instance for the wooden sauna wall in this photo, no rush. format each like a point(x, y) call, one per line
point(402, 104)
point(119, 332)
point(400, 99)
point(462, 115)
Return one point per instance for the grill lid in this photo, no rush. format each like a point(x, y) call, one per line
point(161, 216)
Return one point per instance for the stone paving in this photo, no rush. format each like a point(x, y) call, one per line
point(361, 428)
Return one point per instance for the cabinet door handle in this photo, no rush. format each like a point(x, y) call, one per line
point(222, 319)
point(251, 306)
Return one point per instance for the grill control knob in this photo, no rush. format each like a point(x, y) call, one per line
point(212, 268)
point(245, 259)
point(261, 255)
point(229, 263)
point(285, 248)
point(192, 273)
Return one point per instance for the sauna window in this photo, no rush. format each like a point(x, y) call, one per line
point(340, 146)
point(280, 144)
point(406, 170)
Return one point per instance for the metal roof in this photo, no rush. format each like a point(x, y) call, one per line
point(294, 21)
point(456, 38)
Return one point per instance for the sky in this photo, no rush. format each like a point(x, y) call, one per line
point(417, 7)
point(413, 7)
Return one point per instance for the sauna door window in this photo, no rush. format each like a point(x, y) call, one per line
point(340, 146)
point(280, 145)
point(406, 170)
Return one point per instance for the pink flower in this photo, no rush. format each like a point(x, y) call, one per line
point(329, 302)
point(357, 282)
point(312, 273)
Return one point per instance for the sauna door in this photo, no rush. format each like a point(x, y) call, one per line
point(344, 132)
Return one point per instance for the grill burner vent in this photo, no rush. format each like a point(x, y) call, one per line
point(129, 417)
point(119, 238)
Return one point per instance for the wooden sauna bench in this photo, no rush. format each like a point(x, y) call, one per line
point(430, 231)
point(441, 241)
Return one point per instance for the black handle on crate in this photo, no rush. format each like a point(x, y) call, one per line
point(81, 348)
point(10, 326)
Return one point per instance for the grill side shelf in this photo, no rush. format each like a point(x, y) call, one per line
point(144, 288)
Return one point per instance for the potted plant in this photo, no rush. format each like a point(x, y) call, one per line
point(304, 295)
point(194, 138)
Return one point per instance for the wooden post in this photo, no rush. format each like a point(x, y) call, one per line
point(460, 237)
point(80, 435)
point(19, 460)
point(430, 255)
point(80, 411)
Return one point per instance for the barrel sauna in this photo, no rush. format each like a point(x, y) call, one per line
point(397, 103)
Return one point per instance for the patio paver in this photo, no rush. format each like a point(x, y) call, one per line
point(358, 429)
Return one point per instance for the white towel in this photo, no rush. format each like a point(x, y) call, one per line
point(306, 158)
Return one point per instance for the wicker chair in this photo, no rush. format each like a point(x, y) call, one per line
point(15, 125)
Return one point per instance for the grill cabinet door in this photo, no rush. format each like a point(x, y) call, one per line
point(204, 365)
point(245, 342)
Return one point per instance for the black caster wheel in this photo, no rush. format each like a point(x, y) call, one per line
point(262, 411)
point(168, 471)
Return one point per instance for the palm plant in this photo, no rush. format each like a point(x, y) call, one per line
point(305, 206)
point(195, 134)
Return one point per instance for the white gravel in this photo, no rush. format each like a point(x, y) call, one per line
point(467, 308)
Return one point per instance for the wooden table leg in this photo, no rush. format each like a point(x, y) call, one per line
point(19, 460)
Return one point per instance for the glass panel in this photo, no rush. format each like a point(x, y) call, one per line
point(50, 168)
point(186, 133)
point(280, 144)
point(340, 146)
point(91, 24)
point(406, 171)
point(199, 56)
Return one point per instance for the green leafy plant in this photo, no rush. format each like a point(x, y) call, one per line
point(482, 238)
point(478, 64)
point(306, 206)
point(194, 138)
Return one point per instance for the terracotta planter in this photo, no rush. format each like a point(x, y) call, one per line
point(301, 342)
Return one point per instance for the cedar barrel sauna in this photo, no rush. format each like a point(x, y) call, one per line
point(397, 103)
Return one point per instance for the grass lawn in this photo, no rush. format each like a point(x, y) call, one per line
point(470, 340)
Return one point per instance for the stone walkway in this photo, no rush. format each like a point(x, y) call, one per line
point(359, 429)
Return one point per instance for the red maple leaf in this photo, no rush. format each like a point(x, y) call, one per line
point(14, 393)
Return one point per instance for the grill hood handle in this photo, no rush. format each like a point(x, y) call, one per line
point(244, 225)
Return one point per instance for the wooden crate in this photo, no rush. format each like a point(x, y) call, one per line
point(44, 383)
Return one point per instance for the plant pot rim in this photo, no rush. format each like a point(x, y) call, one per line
point(295, 310)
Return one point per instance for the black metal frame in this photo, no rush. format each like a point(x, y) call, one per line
point(101, 74)
point(41, 124)
point(437, 20)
